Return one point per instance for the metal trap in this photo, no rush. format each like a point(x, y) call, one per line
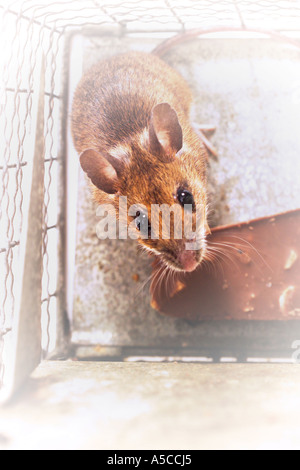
point(66, 293)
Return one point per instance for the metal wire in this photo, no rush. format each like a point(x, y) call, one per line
point(6, 231)
point(27, 39)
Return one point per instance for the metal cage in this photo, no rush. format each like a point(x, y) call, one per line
point(34, 90)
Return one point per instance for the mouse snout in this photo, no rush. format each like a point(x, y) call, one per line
point(183, 255)
point(189, 260)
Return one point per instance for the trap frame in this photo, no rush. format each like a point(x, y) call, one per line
point(34, 253)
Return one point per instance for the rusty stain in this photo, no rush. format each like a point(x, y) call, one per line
point(178, 287)
point(154, 304)
point(135, 277)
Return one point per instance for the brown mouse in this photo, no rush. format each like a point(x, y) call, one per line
point(131, 127)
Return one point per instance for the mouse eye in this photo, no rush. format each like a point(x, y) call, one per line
point(185, 197)
point(142, 223)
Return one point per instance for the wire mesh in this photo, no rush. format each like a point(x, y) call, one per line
point(205, 13)
point(31, 30)
point(26, 41)
point(151, 14)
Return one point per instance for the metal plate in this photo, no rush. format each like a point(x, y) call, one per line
point(245, 89)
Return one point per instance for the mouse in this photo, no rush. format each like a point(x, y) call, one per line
point(131, 127)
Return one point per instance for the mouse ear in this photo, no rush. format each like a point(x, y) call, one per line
point(102, 173)
point(165, 133)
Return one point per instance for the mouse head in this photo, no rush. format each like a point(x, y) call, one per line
point(162, 175)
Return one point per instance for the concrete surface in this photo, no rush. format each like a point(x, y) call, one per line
point(94, 405)
point(250, 90)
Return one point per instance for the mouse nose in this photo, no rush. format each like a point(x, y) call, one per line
point(188, 260)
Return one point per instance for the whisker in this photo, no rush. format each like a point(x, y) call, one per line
point(215, 257)
point(235, 247)
point(228, 257)
point(208, 264)
point(162, 278)
point(158, 277)
point(143, 285)
point(253, 248)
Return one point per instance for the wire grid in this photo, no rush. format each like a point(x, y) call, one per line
point(31, 30)
point(24, 43)
point(163, 14)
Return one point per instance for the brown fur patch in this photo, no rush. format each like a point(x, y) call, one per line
point(111, 113)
